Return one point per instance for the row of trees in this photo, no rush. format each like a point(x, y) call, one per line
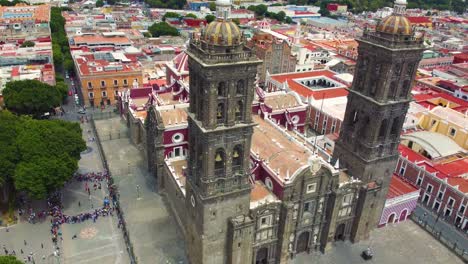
point(172, 4)
point(60, 48)
point(262, 11)
point(9, 260)
point(357, 6)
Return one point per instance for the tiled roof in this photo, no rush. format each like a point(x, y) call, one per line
point(306, 92)
point(22, 12)
point(399, 187)
point(282, 156)
point(418, 20)
point(173, 116)
point(88, 65)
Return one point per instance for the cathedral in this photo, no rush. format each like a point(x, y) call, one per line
point(245, 190)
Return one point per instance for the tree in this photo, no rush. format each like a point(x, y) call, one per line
point(28, 44)
point(68, 64)
point(146, 34)
point(236, 20)
point(47, 153)
point(172, 4)
point(99, 3)
point(280, 16)
point(212, 6)
point(209, 18)
point(458, 6)
point(191, 15)
point(31, 97)
point(170, 15)
point(162, 29)
point(9, 156)
point(259, 10)
point(9, 260)
point(288, 20)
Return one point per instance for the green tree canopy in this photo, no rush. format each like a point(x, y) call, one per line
point(28, 44)
point(172, 4)
point(191, 15)
point(170, 15)
point(209, 18)
point(99, 3)
point(212, 6)
point(9, 260)
point(31, 97)
point(43, 154)
point(259, 10)
point(162, 29)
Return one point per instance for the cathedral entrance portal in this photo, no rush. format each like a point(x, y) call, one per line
point(340, 230)
point(302, 242)
point(262, 256)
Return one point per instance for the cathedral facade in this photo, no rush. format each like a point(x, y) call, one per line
point(249, 191)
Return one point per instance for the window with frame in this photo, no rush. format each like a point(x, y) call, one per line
point(451, 201)
point(311, 187)
point(116, 92)
point(265, 221)
point(125, 82)
point(90, 85)
point(103, 83)
point(429, 188)
point(452, 132)
point(104, 94)
point(419, 181)
point(347, 199)
point(116, 82)
point(440, 194)
point(91, 95)
point(309, 207)
point(462, 209)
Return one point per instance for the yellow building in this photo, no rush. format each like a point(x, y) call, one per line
point(446, 121)
point(102, 75)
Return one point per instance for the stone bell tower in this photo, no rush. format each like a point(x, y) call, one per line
point(375, 112)
point(222, 74)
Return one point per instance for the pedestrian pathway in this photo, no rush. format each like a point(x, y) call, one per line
point(153, 231)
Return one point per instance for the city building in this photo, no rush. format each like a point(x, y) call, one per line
point(436, 165)
point(251, 191)
point(102, 75)
point(274, 50)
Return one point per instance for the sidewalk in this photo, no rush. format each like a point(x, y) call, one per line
point(152, 230)
point(445, 232)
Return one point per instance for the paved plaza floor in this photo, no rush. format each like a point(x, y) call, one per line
point(400, 243)
point(100, 242)
point(153, 232)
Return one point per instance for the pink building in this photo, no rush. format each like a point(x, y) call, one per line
point(402, 199)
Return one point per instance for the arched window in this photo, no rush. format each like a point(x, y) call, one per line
point(395, 126)
point(383, 128)
point(237, 155)
point(239, 111)
point(393, 90)
point(404, 89)
point(221, 89)
point(220, 159)
point(220, 113)
point(240, 87)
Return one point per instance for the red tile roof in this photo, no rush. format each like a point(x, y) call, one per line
point(419, 20)
point(399, 187)
point(306, 92)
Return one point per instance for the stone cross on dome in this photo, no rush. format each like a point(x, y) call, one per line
point(399, 7)
point(223, 9)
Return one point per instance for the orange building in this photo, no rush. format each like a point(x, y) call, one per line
point(102, 75)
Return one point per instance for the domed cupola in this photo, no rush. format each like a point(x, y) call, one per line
point(397, 23)
point(222, 31)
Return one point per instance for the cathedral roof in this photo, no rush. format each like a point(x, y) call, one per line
point(222, 33)
point(395, 24)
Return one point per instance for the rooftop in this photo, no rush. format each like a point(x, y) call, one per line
point(260, 194)
point(399, 187)
point(278, 101)
point(283, 156)
point(309, 84)
point(436, 145)
point(173, 116)
point(23, 12)
point(103, 63)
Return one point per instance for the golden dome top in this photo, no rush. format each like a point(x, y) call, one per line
point(222, 33)
point(395, 24)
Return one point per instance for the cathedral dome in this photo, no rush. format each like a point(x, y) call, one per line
point(395, 24)
point(222, 33)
